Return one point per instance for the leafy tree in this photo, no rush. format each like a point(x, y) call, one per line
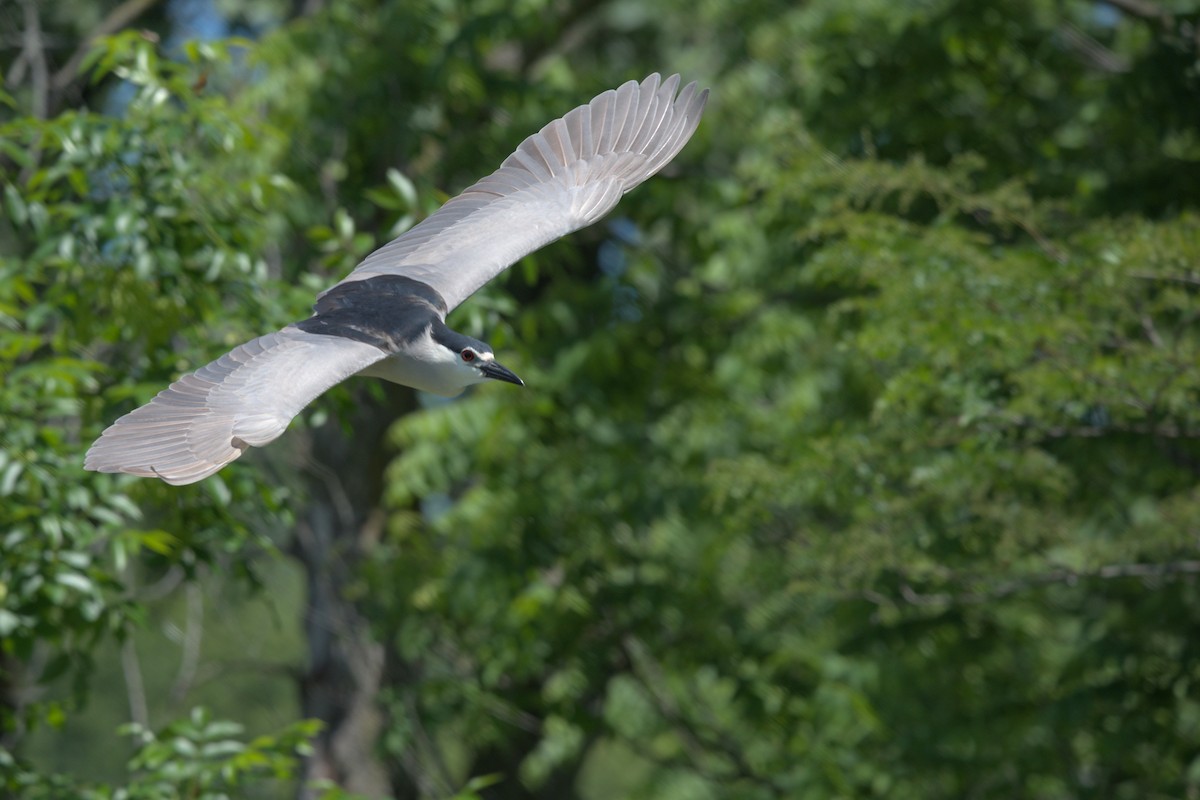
point(859, 455)
point(196, 757)
point(862, 476)
point(126, 236)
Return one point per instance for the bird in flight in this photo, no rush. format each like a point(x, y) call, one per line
point(386, 319)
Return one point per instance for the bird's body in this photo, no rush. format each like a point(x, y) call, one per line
point(387, 318)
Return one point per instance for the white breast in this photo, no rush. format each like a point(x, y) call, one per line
point(425, 365)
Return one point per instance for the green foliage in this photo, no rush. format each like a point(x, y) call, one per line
point(1040, 88)
point(196, 757)
point(864, 465)
point(124, 238)
point(885, 489)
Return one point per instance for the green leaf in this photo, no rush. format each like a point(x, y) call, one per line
point(75, 580)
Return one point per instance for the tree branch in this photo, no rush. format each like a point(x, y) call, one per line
point(1143, 9)
point(214, 670)
point(118, 18)
point(1164, 431)
point(33, 55)
point(1025, 583)
point(650, 674)
point(1152, 12)
point(559, 37)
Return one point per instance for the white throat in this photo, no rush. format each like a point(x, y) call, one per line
point(426, 365)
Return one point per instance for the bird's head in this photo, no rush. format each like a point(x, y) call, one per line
point(469, 360)
point(477, 363)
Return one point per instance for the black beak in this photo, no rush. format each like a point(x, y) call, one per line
point(499, 372)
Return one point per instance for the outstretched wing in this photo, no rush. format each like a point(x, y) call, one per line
point(245, 398)
point(561, 179)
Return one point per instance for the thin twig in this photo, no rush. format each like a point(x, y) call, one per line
point(34, 54)
point(440, 774)
point(1093, 52)
point(193, 634)
point(1142, 9)
point(1189, 280)
point(1151, 331)
point(135, 687)
point(117, 19)
point(162, 587)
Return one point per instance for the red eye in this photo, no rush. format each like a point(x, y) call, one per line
point(468, 355)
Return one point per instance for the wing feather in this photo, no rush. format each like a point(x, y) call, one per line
point(579, 128)
point(562, 178)
point(614, 106)
point(245, 398)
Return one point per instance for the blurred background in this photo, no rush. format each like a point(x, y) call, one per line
point(860, 454)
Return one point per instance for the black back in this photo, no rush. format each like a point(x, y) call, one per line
point(387, 311)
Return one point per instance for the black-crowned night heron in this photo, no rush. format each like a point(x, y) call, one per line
point(387, 318)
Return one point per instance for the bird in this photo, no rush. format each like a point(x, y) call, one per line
point(387, 318)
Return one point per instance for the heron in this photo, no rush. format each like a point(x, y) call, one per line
point(387, 318)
